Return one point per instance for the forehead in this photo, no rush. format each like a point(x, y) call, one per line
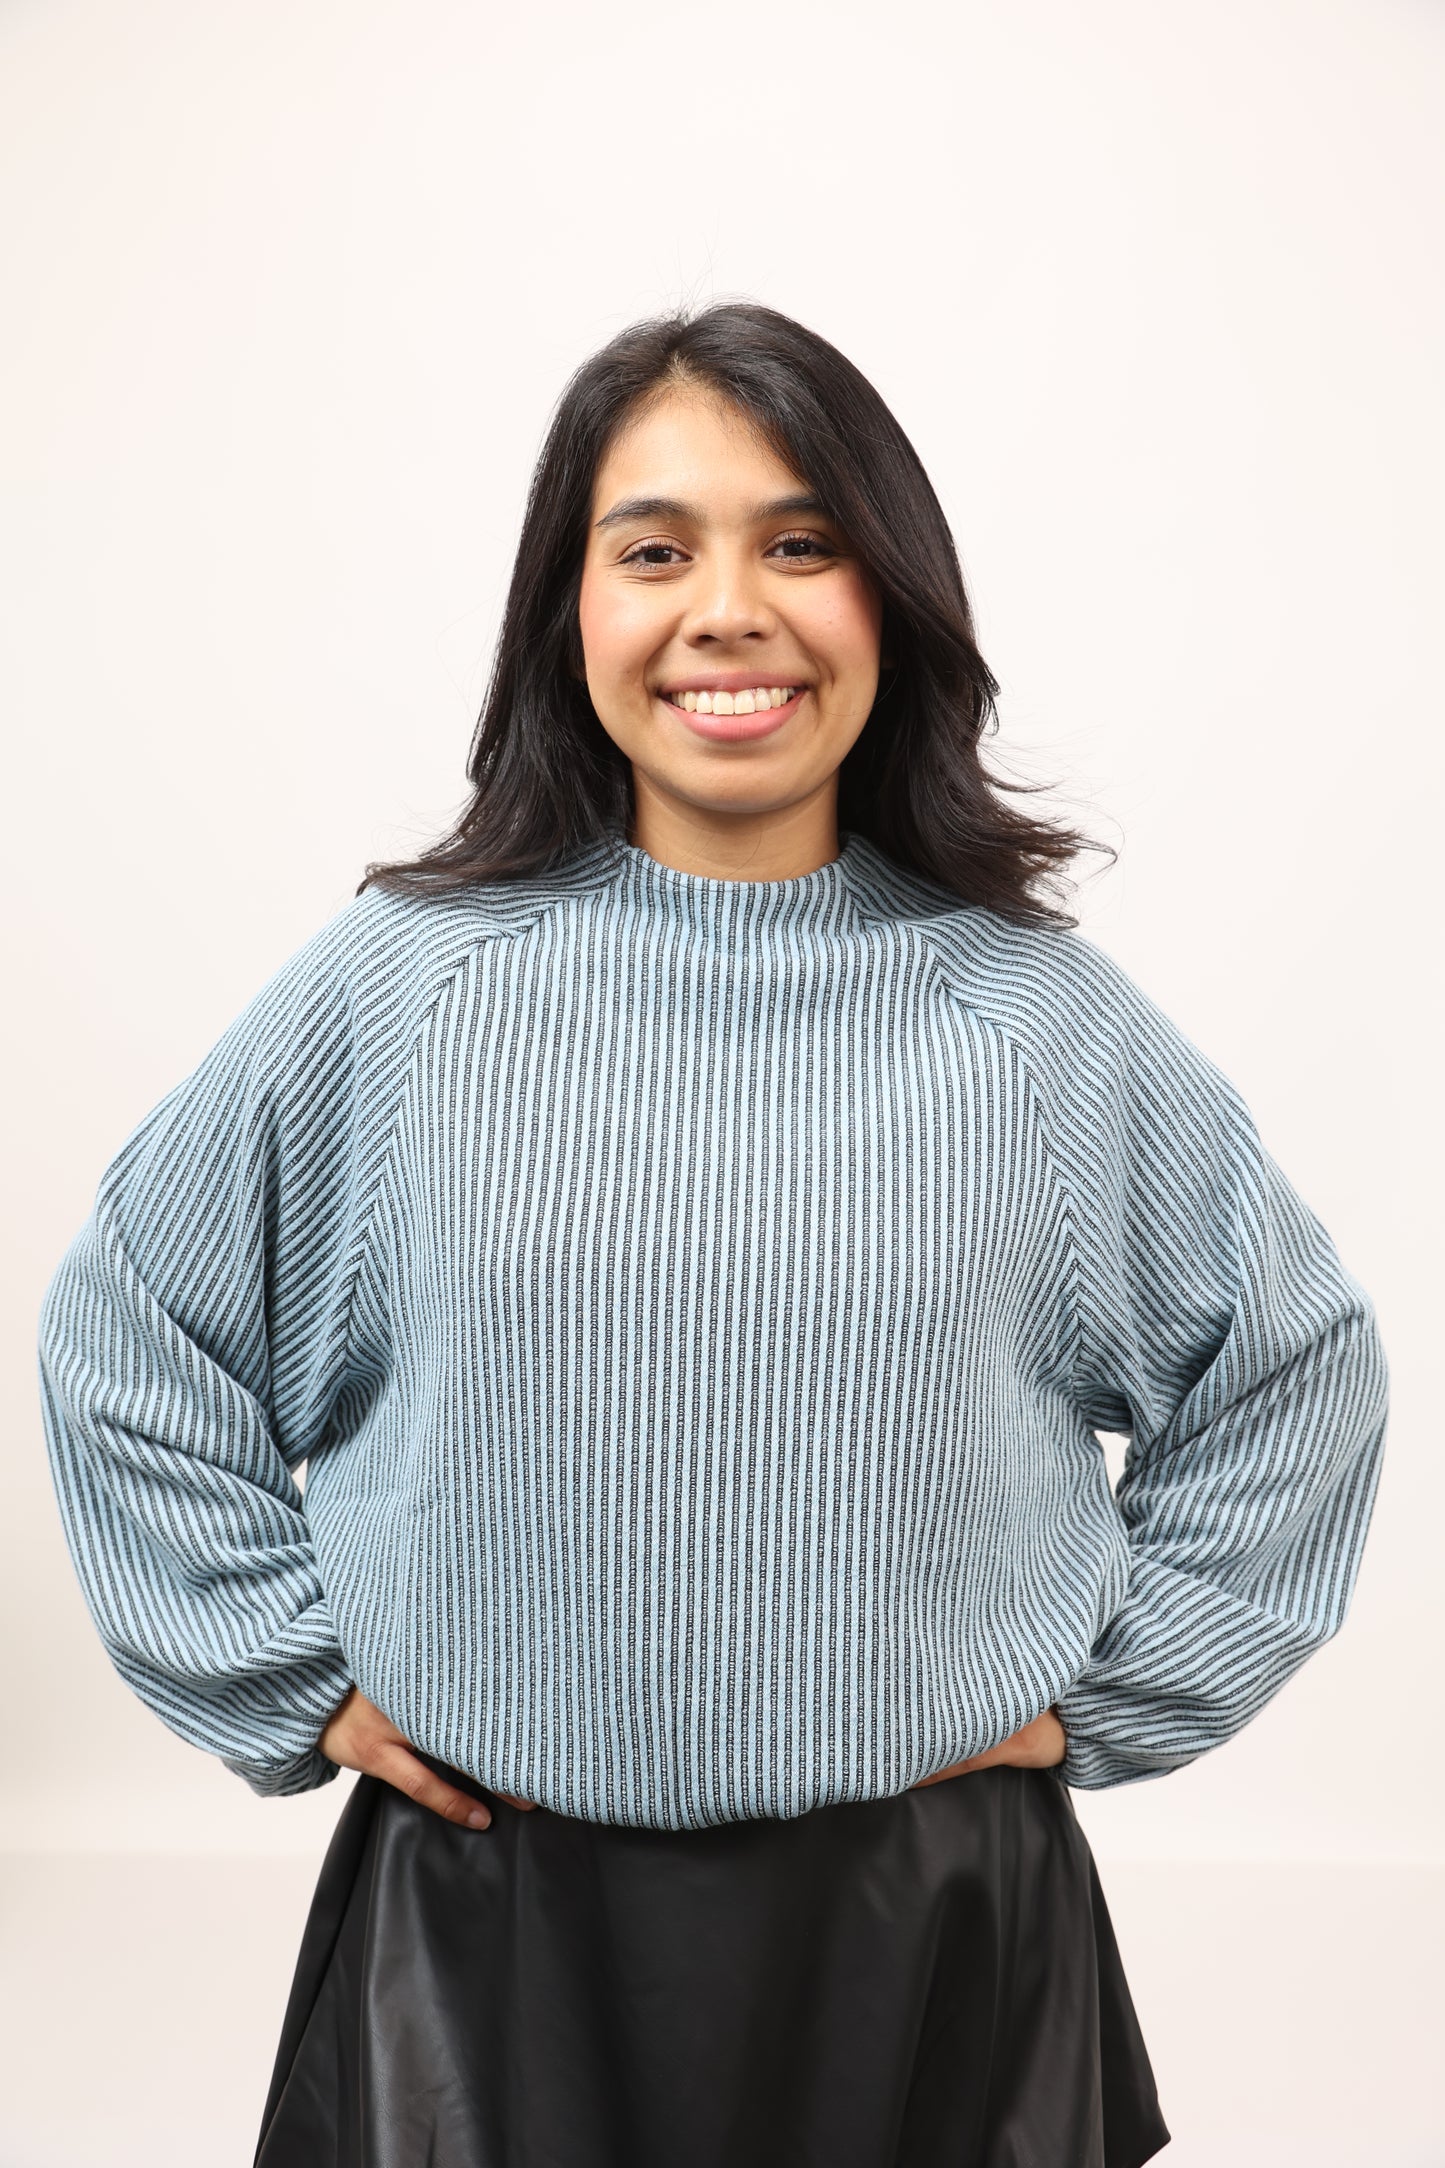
point(691, 444)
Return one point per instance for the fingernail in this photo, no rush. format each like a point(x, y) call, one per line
point(478, 1818)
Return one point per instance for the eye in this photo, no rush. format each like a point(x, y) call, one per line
point(649, 551)
point(810, 542)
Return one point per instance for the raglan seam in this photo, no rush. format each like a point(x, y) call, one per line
point(1060, 1186)
point(370, 1210)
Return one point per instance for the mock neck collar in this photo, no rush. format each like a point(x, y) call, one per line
point(739, 912)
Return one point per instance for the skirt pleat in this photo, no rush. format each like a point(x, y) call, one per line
point(929, 1978)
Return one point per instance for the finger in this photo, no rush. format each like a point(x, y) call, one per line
point(397, 1765)
point(527, 1806)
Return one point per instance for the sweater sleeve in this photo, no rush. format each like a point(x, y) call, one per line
point(193, 1350)
point(1219, 1330)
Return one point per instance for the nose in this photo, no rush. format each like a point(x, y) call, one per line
point(727, 602)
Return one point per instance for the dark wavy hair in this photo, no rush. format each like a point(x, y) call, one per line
point(547, 779)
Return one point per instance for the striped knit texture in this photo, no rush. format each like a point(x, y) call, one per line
point(695, 1304)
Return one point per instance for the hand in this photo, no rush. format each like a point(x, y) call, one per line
point(1039, 1745)
point(358, 1736)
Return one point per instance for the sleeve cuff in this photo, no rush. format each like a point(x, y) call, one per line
point(304, 1768)
point(304, 1772)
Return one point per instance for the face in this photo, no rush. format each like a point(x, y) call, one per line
point(731, 636)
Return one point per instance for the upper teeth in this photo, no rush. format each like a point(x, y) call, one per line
point(760, 697)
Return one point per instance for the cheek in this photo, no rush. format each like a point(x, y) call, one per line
point(846, 629)
point(592, 623)
point(617, 631)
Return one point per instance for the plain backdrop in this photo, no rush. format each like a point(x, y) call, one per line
point(289, 288)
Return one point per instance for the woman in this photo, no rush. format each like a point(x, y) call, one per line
point(693, 1223)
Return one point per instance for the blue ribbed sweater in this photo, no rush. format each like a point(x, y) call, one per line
point(695, 1303)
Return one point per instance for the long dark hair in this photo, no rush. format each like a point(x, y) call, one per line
point(547, 777)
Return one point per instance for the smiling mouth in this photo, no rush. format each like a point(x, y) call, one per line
point(754, 700)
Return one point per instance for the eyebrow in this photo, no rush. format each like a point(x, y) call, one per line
point(634, 508)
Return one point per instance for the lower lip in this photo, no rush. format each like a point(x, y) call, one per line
point(729, 728)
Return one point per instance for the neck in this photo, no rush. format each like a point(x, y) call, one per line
point(727, 844)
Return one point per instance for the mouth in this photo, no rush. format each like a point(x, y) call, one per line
point(736, 700)
point(750, 712)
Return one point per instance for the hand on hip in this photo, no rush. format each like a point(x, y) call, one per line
point(1038, 1745)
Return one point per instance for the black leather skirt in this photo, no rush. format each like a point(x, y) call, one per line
point(925, 1979)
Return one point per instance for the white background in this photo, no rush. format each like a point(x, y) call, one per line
point(288, 292)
